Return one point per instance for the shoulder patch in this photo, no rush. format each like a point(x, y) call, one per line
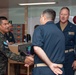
point(5, 43)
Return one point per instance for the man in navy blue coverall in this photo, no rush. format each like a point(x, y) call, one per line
point(49, 45)
point(9, 36)
point(69, 31)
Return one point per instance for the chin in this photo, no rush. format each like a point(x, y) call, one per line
point(63, 21)
point(6, 31)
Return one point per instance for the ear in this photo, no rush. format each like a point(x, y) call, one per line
point(44, 18)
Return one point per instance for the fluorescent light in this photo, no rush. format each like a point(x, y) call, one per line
point(43, 3)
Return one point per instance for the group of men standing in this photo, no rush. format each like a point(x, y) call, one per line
point(53, 45)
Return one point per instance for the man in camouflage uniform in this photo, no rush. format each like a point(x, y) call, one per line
point(5, 52)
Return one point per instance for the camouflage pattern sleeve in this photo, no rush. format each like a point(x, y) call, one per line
point(6, 51)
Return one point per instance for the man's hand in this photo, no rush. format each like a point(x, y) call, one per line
point(56, 68)
point(29, 61)
point(74, 65)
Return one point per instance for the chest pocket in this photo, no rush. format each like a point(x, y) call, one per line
point(71, 33)
point(71, 36)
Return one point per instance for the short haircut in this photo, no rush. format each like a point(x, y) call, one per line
point(66, 9)
point(2, 18)
point(50, 14)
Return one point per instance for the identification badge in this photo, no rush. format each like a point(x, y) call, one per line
point(71, 33)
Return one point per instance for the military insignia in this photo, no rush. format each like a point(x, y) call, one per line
point(10, 37)
point(71, 33)
point(5, 43)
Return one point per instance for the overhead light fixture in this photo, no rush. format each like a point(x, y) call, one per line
point(41, 3)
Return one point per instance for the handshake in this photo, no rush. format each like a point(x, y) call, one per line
point(29, 60)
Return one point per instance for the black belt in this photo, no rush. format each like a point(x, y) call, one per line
point(70, 50)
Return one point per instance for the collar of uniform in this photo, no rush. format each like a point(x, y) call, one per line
point(49, 22)
point(69, 25)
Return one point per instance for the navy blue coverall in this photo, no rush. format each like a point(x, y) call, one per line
point(70, 42)
point(52, 41)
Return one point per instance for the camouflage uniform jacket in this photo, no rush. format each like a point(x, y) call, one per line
point(5, 53)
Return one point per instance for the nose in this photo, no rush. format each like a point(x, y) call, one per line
point(7, 25)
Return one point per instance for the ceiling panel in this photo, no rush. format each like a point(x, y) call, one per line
point(14, 3)
point(4, 3)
